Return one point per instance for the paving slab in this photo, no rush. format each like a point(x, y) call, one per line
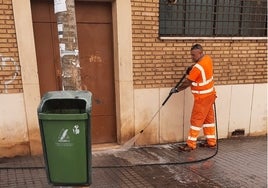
point(239, 162)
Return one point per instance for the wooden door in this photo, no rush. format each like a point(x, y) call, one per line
point(47, 51)
point(95, 41)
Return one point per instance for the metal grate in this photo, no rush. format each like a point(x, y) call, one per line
point(213, 18)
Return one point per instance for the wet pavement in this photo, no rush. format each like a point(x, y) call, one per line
point(239, 162)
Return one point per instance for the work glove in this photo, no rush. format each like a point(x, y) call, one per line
point(189, 69)
point(173, 90)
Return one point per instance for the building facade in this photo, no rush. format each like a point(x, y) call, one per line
point(145, 66)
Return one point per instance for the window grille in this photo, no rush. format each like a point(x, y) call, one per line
point(213, 18)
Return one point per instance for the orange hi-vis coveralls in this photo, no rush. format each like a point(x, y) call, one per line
point(204, 93)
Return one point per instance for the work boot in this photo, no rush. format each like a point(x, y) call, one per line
point(206, 145)
point(185, 147)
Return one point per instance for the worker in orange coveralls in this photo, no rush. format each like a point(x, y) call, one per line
point(200, 78)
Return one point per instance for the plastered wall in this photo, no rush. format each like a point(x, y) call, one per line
point(238, 107)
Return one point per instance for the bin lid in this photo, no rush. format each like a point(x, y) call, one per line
point(67, 94)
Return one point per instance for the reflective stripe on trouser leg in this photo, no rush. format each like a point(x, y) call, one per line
point(193, 134)
point(209, 128)
point(202, 113)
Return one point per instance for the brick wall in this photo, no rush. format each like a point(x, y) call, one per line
point(156, 63)
point(161, 63)
point(10, 75)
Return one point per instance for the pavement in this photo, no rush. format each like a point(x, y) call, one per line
point(238, 162)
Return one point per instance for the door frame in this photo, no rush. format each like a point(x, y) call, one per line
point(122, 36)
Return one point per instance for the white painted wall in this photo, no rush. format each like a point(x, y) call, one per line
point(258, 121)
point(223, 103)
point(13, 127)
point(147, 99)
point(171, 117)
point(238, 107)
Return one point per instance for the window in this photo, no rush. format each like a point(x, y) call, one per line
point(213, 18)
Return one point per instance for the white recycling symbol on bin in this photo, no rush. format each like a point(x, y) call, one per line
point(63, 136)
point(76, 129)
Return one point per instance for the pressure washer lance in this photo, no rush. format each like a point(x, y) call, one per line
point(169, 95)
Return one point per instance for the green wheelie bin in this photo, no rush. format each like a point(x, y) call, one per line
point(64, 122)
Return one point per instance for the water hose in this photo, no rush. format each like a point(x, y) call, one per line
point(169, 95)
point(148, 164)
point(170, 163)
